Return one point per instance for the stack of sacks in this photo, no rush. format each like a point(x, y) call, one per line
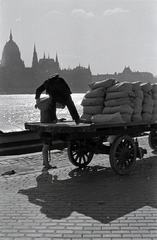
point(120, 99)
point(154, 97)
point(136, 116)
point(148, 102)
point(93, 101)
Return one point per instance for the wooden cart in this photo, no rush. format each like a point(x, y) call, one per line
point(85, 140)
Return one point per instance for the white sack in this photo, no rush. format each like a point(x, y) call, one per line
point(146, 117)
point(146, 87)
point(126, 117)
point(122, 109)
point(154, 95)
point(104, 83)
point(99, 92)
point(107, 118)
point(137, 109)
point(154, 117)
point(154, 87)
point(136, 117)
point(116, 95)
point(136, 86)
point(138, 101)
point(149, 101)
point(139, 94)
point(146, 108)
point(92, 101)
point(120, 87)
point(87, 117)
point(119, 102)
point(92, 109)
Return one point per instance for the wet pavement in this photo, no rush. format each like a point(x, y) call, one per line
point(71, 203)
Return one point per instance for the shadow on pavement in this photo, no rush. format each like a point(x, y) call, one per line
point(96, 192)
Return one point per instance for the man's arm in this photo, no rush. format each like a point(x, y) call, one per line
point(39, 91)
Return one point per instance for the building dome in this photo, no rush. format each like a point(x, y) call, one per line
point(127, 70)
point(11, 55)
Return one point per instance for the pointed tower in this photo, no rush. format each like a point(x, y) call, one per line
point(56, 58)
point(89, 69)
point(57, 63)
point(11, 36)
point(35, 58)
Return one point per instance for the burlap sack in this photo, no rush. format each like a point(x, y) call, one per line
point(92, 101)
point(149, 101)
point(154, 95)
point(146, 117)
point(154, 110)
point(122, 109)
point(137, 109)
point(139, 94)
point(117, 95)
point(136, 117)
point(146, 87)
point(119, 102)
point(120, 87)
point(155, 103)
point(126, 117)
point(148, 94)
point(146, 108)
point(92, 110)
point(107, 118)
point(154, 87)
point(138, 101)
point(44, 116)
point(136, 86)
point(104, 83)
point(99, 92)
point(87, 117)
point(154, 117)
point(44, 103)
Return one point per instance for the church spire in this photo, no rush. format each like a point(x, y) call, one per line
point(11, 37)
point(57, 63)
point(56, 58)
point(35, 58)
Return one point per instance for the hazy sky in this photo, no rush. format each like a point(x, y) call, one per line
point(108, 35)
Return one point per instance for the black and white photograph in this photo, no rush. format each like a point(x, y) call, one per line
point(78, 119)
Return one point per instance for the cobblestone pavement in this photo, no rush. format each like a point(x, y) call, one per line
point(68, 203)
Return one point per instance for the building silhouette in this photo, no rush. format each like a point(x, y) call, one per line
point(127, 75)
point(16, 78)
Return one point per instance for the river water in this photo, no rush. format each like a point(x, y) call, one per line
point(17, 109)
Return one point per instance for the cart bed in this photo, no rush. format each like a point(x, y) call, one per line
point(85, 140)
point(70, 128)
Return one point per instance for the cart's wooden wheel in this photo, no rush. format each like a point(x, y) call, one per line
point(123, 154)
point(152, 140)
point(78, 153)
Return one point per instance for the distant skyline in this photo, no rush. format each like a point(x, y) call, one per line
point(105, 34)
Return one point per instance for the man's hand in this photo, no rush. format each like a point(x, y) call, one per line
point(37, 102)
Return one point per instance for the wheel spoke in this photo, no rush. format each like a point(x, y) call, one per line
point(76, 158)
point(123, 154)
point(78, 154)
point(84, 158)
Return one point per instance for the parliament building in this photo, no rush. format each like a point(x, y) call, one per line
point(16, 78)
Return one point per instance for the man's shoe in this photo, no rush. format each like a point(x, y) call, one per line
point(50, 167)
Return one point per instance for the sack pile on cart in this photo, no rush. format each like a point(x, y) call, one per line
point(110, 101)
point(154, 97)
